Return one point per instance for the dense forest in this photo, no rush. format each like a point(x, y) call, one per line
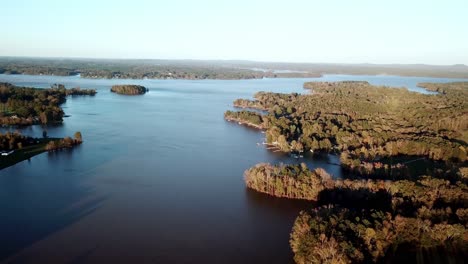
point(198, 69)
point(339, 235)
point(383, 206)
point(27, 106)
point(362, 220)
point(129, 89)
point(298, 182)
point(368, 125)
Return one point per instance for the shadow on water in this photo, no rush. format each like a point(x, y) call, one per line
point(278, 216)
point(35, 203)
point(18, 234)
point(82, 258)
point(267, 202)
point(356, 199)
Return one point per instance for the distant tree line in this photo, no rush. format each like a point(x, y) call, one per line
point(199, 69)
point(142, 69)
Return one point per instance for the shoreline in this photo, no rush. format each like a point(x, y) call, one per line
point(43, 145)
point(25, 153)
point(242, 122)
point(313, 76)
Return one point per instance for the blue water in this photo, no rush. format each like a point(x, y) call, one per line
point(159, 178)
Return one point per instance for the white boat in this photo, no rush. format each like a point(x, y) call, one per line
point(7, 153)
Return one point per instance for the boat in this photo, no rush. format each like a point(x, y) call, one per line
point(7, 153)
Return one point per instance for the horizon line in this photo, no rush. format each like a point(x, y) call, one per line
point(225, 60)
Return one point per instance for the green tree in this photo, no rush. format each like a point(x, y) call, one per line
point(78, 137)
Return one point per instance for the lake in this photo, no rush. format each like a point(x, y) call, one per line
point(158, 179)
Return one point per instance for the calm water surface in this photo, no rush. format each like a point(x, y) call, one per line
point(159, 178)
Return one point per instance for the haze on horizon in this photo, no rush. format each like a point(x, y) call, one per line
point(362, 31)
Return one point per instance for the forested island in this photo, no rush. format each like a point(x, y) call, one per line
point(128, 89)
point(383, 207)
point(15, 147)
point(28, 106)
point(77, 91)
point(222, 70)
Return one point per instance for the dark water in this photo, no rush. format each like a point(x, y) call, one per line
point(157, 180)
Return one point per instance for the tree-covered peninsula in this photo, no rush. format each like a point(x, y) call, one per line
point(15, 147)
point(363, 220)
point(28, 106)
point(290, 181)
point(245, 117)
point(366, 124)
point(128, 89)
point(383, 209)
point(298, 182)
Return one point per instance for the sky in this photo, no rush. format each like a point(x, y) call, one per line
point(333, 31)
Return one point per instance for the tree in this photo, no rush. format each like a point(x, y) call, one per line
point(43, 117)
point(297, 146)
point(51, 146)
point(78, 137)
point(325, 144)
point(283, 143)
point(67, 142)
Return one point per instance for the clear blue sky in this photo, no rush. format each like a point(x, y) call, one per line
point(348, 31)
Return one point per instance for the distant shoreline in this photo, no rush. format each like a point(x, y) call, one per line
point(214, 70)
point(321, 76)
